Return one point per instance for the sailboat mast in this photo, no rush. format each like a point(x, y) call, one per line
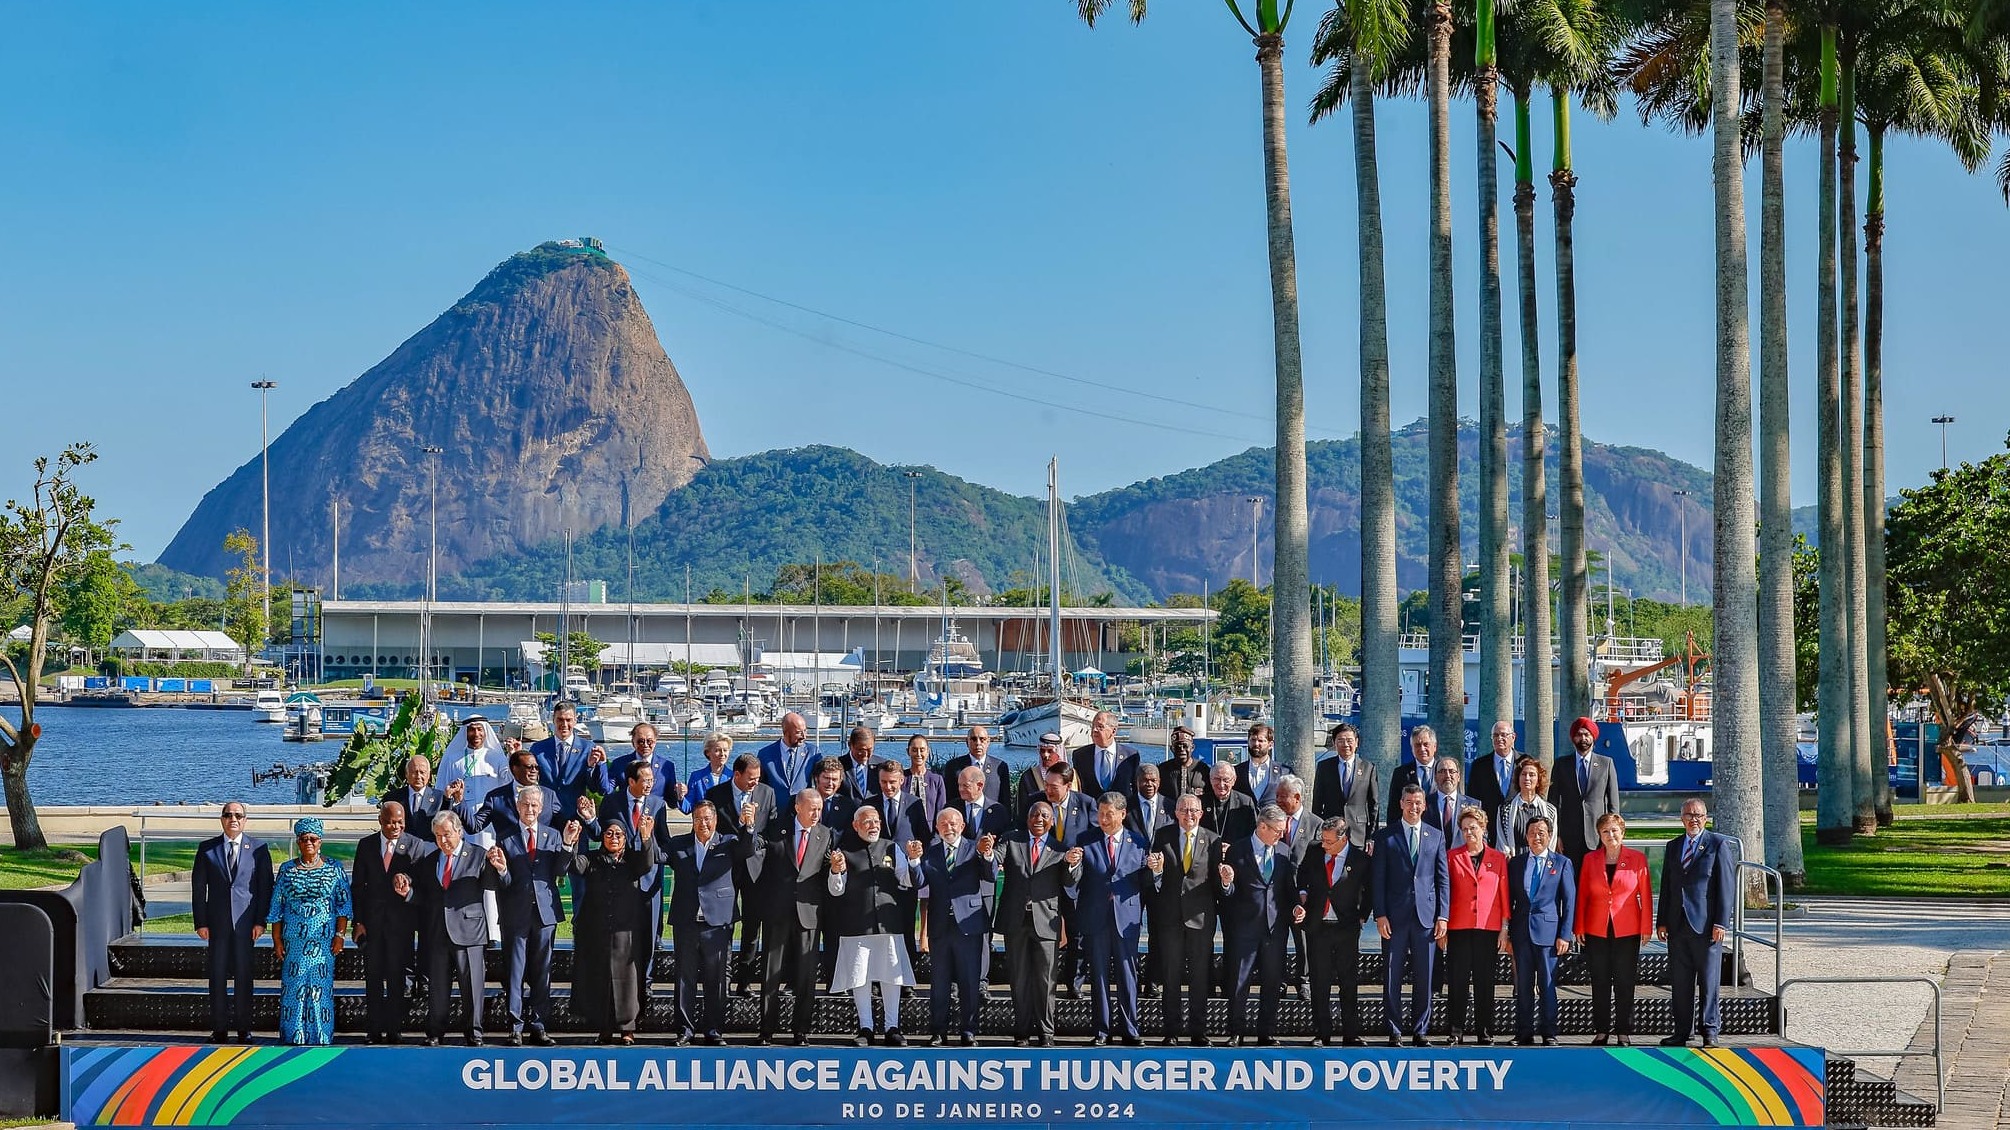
point(1054, 569)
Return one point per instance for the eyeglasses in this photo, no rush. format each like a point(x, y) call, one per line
point(1688, 816)
point(233, 816)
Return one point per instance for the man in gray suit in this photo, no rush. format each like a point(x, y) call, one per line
point(230, 891)
point(1583, 786)
point(531, 911)
point(1029, 913)
point(1343, 784)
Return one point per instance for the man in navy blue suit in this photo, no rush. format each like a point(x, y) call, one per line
point(1259, 903)
point(1110, 914)
point(612, 776)
point(534, 859)
point(1412, 901)
point(1698, 884)
point(996, 788)
point(1104, 766)
point(568, 762)
point(707, 869)
point(498, 809)
point(789, 764)
point(961, 875)
point(230, 891)
point(1542, 900)
point(1446, 801)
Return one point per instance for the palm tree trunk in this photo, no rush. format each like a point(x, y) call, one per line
point(1735, 768)
point(1862, 793)
point(1291, 594)
point(1835, 807)
point(1538, 678)
point(1496, 578)
point(1447, 569)
point(1776, 519)
point(1573, 615)
point(1879, 693)
point(1381, 671)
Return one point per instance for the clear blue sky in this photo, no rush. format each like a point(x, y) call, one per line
point(198, 198)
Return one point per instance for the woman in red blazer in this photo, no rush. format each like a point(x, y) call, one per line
point(1615, 909)
point(1479, 908)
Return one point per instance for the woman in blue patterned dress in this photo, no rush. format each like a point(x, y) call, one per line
point(310, 913)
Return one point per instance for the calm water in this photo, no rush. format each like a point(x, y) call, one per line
point(171, 756)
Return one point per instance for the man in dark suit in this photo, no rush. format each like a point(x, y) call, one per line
point(1583, 786)
point(1257, 778)
point(640, 799)
point(418, 798)
point(1343, 784)
point(1151, 810)
point(1542, 903)
point(706, 869)
point(1181, 771)
point(791, 896)
point(861, 770)
point(230, 891)
point(981, 814)
point(1698, 887)
point(961, 876)
point(1033, 779)
point(1104, 766)
point(1301, 835)
point(497, 810)
point(1227, 811)
point(1183, 919)
point(1413, 771)
point(901, 819)
point(447, 885)
point(1491, 781)
point(924, 784)
point(1412, 901)
point(1334, 888)
point(533, 862)
point(732, 796)
point(612, 776)
point(568, 762)
point(828, 780)
point(1029, 914)
point(790, 763)
point(977, 746)
point(1074, 812)
point(1109, 911)
point(382, 923)
point(1259, 902)
point(1446, 800)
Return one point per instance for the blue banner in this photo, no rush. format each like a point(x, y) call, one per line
point(272, 1086)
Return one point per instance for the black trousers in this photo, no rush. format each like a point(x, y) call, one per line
point(1693, 960)
point(1334, 957)
point(451, 964)
point(959, 964)
point(1186, 955)
point(702, 953)
point(528, 960)
point(1615, 969)
point(751, 960)
point(1255, 955)
point(790, 958)
point(1030, 959)
point(1472, 956)
point(388, 952)
point(230, 965)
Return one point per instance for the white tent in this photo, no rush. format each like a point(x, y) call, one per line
point(173, 646)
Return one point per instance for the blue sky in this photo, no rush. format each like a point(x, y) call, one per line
point(200, 198)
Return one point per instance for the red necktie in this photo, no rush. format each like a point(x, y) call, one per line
point(533, 848)
point(1036, 855)
point(635, 815)
point(1112, 842)
point(802, 845)
point(1332, 877)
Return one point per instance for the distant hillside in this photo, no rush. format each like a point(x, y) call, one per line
point(740, 519)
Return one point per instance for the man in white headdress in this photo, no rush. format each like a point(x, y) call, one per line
point(478, 759)
point(865, 873)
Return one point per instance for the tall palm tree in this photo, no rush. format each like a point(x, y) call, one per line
point(1538, 679)
point(1863, 793)
point(1291, 569)
point(1735, 767)
point(1777, 683)
point(1496, 649)
point(1359, 39)
point(1446, 569)
point(1835, 811)
point(1573, 611)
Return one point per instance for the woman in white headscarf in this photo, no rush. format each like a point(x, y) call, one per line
point(479, 758)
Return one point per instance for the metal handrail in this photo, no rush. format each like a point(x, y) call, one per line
point(1939, 1069)
point(1776, 892)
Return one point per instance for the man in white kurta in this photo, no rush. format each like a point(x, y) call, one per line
point(865, 873)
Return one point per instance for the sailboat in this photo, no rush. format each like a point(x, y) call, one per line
point(1057, 714)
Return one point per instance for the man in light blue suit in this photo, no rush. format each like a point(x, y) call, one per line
point(789, 765)
point(1542, 900)
point(1412, 901)
point(1110, 913)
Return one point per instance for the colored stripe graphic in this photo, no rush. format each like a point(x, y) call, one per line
point(103, 1072)
point(180, 1103)
point(303, 1063)
point(1757, 1088)
point(222, 1089)
point(1808, 1090)
point(128, 1107)
point(1658, 1070)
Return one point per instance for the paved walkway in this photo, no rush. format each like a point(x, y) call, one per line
point(1975, 1018)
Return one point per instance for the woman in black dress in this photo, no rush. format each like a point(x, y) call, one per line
point(611, 931)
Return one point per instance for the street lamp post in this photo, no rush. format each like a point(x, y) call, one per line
point(913, 566)
point(1255, 512)
point(265, 504)
point(1684, 507)
point(432, 454)
point(1943, 421)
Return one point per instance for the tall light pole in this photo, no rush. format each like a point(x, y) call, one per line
point(265, 505)
point(1943, 421)
point(432, 454)
point(1255, 512)
point(913, 566)
point(1684, 508)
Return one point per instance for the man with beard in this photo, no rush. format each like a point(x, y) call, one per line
point(866, 872)
point(1258, 776)
point(1033, 781)
point(1583, 786)
point(1182, 772)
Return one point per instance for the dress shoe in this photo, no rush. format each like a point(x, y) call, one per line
point(1235, 1041)
point(1674, 1041)
point(1043, 1042)
point(1600, 1040)
point(1101, 1041)
point(683, 1039)
point(1395, 1041)
point(1201, 1042)
point(1420, 1041)
point(244, 1037)
point(715, 1040)
point(1524, 1041)
point(628, 1039)
point(1020, 1041)
point(1353, 1042)
point(474, 1039)
point(969, 1039)
point(1169, 1041)
point(1549, 1041)
point(432, 1041)
point(1709, 1040)
point(796, 1039)
point(1322, 1041)
point(219, 1037)
point(542, 1038)
point(1266, 1041)
point(894, 1039)
point(516, 1039)
point(1134, 1041)
point(864, 1038)
point(1458, 1038)
point(605, 1038)
point(1623, 1041)
point(931, 1040)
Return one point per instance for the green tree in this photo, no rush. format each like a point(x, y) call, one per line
point(1948, 577)
point(45, 541)
point(1447, 674)
point(244, 612)
point(93, 600)
point(581, 649)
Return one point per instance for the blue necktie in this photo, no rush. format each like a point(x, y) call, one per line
point(1534, 875)
point(1583, 774)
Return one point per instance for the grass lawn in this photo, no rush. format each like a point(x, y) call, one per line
point(1963, 855)
point(20, 869)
